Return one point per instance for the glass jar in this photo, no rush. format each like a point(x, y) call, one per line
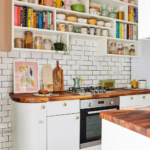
point(18, 43)
point(47, 44)
point(132, 50)
point(28, 40)
point(104, 11)
point(119, 50)
point(125, 50)
point(38, 42)
point(113, 48)
point(113, 14)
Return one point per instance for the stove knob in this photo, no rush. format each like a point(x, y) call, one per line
point(100, 91)
point(90, 105)
point(111, 102)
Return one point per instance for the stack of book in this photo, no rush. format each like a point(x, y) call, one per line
point(126, 31)
point(26, 17)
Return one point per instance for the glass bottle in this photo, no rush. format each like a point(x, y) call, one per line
point(119, 50)
point(104, 11)
point(28, 40)
point(47, 44)
point(132, 50)
point(18, 43)
point(38, 42)
point(113, 48)
point(125, 50)
point(113, 14)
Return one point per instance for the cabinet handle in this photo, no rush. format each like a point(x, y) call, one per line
point(65, 104)
point(143, 97)
point(131, 98)
point(43, 107)
point(77, 117)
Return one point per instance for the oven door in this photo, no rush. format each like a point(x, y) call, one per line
point(91, 125)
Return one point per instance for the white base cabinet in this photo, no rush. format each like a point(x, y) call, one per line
point(63, 132)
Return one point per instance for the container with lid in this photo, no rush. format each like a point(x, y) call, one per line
point(38, 42)
point(28, 40)
point(47, 44)
point(125, 50)
point(119, 50)
point(113, 48)
point(104, 11)
point(18, 43)
point(113, 14)
point(132, 50)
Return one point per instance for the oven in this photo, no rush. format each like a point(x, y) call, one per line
point(91, 123)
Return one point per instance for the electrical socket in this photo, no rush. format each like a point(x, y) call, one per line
point(117, 73)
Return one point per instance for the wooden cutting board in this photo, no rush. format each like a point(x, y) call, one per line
point(47, 73)
point(58, 80)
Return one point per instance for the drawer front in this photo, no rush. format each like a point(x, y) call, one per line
point(145, 99)
point(130, 101)
point(63, 107)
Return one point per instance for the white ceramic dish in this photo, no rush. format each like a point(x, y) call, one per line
point(84, 21)
point(95, 13)
point(100, 23)
point(80, 20)
point(61, 16)
point(109, 24)
point(93, 10)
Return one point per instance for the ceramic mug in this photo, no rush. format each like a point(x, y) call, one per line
point(84, 30)
point(62, 27)
point(129, 86)
point(92, 31)
point(98, 32)
point(142, 84)
point(85, 21)
point(59, 3)
point(105, 33)
point(77, 31)
point(70, 28)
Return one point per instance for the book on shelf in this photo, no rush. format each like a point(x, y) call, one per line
point(126, 31)
point(26, 17)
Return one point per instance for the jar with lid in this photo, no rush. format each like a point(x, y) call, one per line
point(113, 14)
point(18, 43)
point(132, 50)
point(119, 50)
point(104, 11)
point(113, 48)
point(38, 42)
point(47, 44)
point(125, 50)
point(28, 40)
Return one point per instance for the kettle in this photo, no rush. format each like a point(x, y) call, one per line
point(76, 82)
point(134, 84)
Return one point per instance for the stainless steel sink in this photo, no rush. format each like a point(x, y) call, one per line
point(89, 93)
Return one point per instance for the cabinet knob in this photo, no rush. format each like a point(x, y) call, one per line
point(131, 98)
point(77, 117)
point(65, 104)
point(43, 107)
point(143, 97)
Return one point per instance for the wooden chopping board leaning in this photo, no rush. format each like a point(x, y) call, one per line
point(47, 73)
point(58, 80)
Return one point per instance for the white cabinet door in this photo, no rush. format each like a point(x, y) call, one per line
point(130, 101)
point(63, 132)
point(145, 100)
point(29, 126)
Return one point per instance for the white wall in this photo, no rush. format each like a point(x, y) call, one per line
point(81, 62)
point(141, 66)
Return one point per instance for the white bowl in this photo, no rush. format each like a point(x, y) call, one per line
point(80, 20)
point(93, 10)
point(100, 23)
point(61, 16)
point(108, 24)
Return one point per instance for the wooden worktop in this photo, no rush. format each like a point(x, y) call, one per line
point(29, 98)
point(135, 119)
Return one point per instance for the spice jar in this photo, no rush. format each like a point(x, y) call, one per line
point(28, 40)
point(132, 50)
point(18, 43)
point(119, 50)
point(125, 50)
point(47, 44)
point(113, 48)
point(38, 42)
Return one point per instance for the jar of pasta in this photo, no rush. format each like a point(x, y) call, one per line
point(18, 43)
point(119, 50)
point(47, 44)
point(38, 42)
point(28, 40)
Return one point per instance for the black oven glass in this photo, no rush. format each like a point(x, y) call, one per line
point(93, 127)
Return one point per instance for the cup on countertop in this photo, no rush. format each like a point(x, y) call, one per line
point(92, 31)
point(98, 32)
point(129, 86)
point(84, 30)
point(142, 84)
point(105, 33)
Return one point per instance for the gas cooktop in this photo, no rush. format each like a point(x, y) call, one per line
point(90, 90)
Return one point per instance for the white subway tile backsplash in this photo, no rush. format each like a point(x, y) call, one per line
point(82, 62)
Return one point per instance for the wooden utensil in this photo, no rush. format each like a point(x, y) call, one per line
point(58, 79)
point(47, 77)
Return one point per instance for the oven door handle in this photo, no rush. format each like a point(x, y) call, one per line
point(95, 112)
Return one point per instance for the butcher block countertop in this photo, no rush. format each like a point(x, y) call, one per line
point(29, 98)
point(135, 119)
